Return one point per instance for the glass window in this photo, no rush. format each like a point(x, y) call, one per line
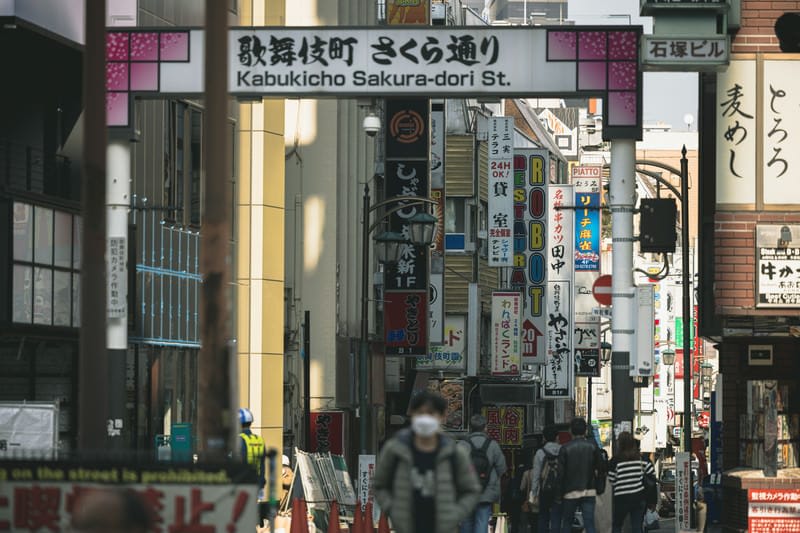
point(62, 245)
point(22, 293)
point(454, 215)
point(43, 296)
point(76, 300)
point(196, 158)
point(23, 232)
point(43, 240)
point(77, 227)
point(62, 297)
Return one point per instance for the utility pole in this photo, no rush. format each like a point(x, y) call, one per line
point(92, 359)
point(687, 306)
point(622, 189)
point(215, 417)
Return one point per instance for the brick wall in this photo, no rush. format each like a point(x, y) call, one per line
point(735, 258)
point(757, 33)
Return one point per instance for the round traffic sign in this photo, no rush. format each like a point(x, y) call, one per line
point(602, 290)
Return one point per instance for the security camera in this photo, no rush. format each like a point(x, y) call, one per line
point(371, 124)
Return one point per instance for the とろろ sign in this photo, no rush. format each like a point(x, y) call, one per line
point(41, 496)
point(381, 61)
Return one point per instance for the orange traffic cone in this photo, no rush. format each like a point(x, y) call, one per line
point(299, 516)
point(383, 524)
point(333, 518)
point(358, 520)
point(369, 524)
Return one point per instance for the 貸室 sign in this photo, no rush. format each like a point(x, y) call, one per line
point(778, 265)
point(773, 510)
point(501, 191)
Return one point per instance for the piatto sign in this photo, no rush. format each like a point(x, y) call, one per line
point(378, 61)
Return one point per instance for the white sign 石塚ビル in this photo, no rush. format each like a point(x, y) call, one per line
point(685, 52)
point(501, 191)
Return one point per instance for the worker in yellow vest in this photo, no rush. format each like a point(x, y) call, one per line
point(253, 450)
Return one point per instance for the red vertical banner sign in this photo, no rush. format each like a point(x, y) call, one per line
point(327, 432)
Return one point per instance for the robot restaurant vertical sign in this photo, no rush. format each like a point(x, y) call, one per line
point(529, 272)
point(501, 190)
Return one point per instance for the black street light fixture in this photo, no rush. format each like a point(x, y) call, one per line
point(706, 370)
point(668, 357)
point(390, 246)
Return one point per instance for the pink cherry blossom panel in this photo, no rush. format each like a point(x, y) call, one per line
point(623, 45)
point(116, 46)
point(561, 46)
point(117, 109)
point(622, 108)
point(175, 46)
point(144, 46)
point(622, 75)
point(592, 45)
point(144, 76)
point(116, 76)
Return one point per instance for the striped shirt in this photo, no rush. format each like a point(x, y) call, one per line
point(626, 476)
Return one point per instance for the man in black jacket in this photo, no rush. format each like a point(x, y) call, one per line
point(576, 468)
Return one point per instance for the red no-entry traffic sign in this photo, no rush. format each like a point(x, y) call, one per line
point(602, 290)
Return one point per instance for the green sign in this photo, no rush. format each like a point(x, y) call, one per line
point(679, 332)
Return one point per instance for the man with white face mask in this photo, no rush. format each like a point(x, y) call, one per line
point(423, 481)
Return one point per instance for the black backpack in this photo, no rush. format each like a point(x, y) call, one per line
point(480, 460)
point(548, 480)
point(600, 470)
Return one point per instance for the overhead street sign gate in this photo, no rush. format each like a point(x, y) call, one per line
point(379, 61)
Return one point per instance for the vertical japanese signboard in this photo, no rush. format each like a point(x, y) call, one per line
point(436, 325)
point(405, 318)
point(506, 332)
point(505, 424)
point(501, 191)
point(781, 131)
point(587, 183)
point(407, 281)
point(683, 495)
point(587, 349)
point(327, 432)
point(641, 361)
point(117, 285)
point(558, 370)
point(529, 272)
point(736, 124)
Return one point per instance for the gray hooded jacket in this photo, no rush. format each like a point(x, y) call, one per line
point(491, 494)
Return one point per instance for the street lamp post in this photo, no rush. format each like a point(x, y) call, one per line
point(422, 228)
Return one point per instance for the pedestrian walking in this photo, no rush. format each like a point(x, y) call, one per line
point(545, 483)
point(423, 481)
point(577, 477)
point(627, 476)
point(252, 449)
point(490, 465)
